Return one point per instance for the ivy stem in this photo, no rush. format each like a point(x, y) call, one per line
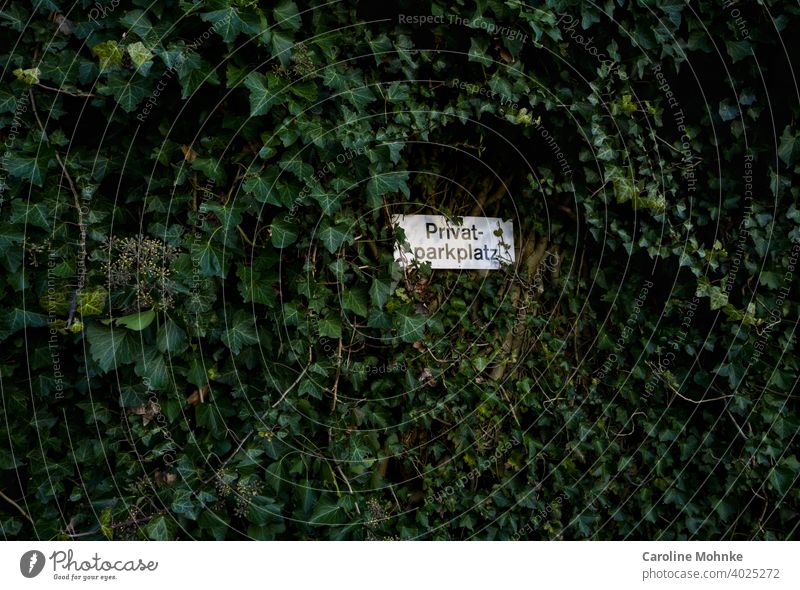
point(244, 236)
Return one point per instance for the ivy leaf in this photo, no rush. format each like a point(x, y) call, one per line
point(330, 327)
point(788, 147)
point(382, 184)
point(728, 111)
point(262, 188)
point(8, 102)
point(478, 48)
point(261, 97)
point(127, 93)
point(26, 167)
point(29, 76)
point(327, 512)
point(332, 236)
point(137, 321)
point(185, 505)
point(291, 314)
point(92, 301)
point(718, 298)
point(355, 300)
point(208, 416)
point(782, 479)
point(151, 365)
point(263, 510)
point(284, 231)
point(411, 328)
point(171, 338)
point(208, 258)
point(734, 373)
point(738, 50)
point(16, 319)
point(139, 54)
point(137, 22)
point(109, 53)
point(282, 47)
point(193, 72)
point(226, 23)
point(241, 332)
point(287, 15)
point(379, 292)
point(158, 529)
point(110, 348)
point(329, 201)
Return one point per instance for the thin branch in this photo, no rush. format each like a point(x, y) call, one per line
point(18, 507)
point(61, 91)
point(737, 425)
point(702, 401)
point(296, 381)
point(338, 373)
point(349, 487)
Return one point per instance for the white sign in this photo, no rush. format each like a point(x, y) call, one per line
point(477, 243)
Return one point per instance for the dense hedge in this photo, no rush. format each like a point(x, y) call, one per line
point(204, 334)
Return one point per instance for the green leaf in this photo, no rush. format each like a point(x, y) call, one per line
point(379, 292)
point(327, 512)
point(282, 47)
point(208, 416)
point(355, 300)
point(105, 524)
point(150, 365)
point(16, 319)
point(158, 529)
point(137, 321)
point(186, 505)
point(718, 298)
point(383, 184)
point(171, 338)
point(261, 97)
point(787, 150)
point(128, 93)
point(478, 49)
point(226, 23)
point(287, 15)
point(411, 328)
point(193, 72)
point(284, 231)
point(241, 332)
point(110, 348)
point(27, 167)
point(738, 50)
point(728, 111)
point(330, 327)
point(262, 188)
point(263, 510)
point(328, 200)
point(208, 258)
point(332, 236)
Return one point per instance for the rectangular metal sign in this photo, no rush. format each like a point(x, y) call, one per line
point(477, 243)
